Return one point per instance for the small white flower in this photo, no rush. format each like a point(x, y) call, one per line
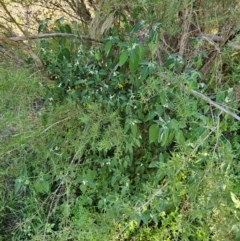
point(111, 97)
point(134, 46)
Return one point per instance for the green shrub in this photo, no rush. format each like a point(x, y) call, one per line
point(118, 154)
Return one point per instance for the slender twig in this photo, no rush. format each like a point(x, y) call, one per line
point(11, 17)
point(55, 124)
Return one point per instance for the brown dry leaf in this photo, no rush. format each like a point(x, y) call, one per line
point(107, 23)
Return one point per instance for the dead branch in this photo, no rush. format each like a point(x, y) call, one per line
point(218, 106)
point(212, 37)
point(52, 35)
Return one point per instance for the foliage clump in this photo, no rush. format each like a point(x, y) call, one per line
point(116, 146)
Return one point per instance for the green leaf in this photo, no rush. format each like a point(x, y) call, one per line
point(61, 43)
point(66, 53)
point(41, 27)
point(123, 58)
point(126, 127)
point(153, 133)
point(18, 185)
point(134, 130)
point(137, 142)
point(45, 186)
point(144, 73)
point(83, 188)
point(151, 115)
point(61, 28)
point(42, 186)
point(133, 64)
point(68, 28)
point(154, 164)
point(138, 26)
point(163, 137)
point(169, 62)
point(235, 200)
point(179, 137)
point(153, 47)
point(108, 47)
point(145, 217)
point(140, 52)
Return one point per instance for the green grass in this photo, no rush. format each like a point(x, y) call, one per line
point(19, 125)
point(36, 166)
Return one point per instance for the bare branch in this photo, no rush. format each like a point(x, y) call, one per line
point(52, 35)
point(212, 37)
point(215, 104)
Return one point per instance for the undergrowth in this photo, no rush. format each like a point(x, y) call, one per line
point(129, 153)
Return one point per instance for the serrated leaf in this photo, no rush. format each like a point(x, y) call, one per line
point(123, 58)
point(42, 186)
point(153, 133)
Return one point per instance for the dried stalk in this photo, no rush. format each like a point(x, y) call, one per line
point(186, 26)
